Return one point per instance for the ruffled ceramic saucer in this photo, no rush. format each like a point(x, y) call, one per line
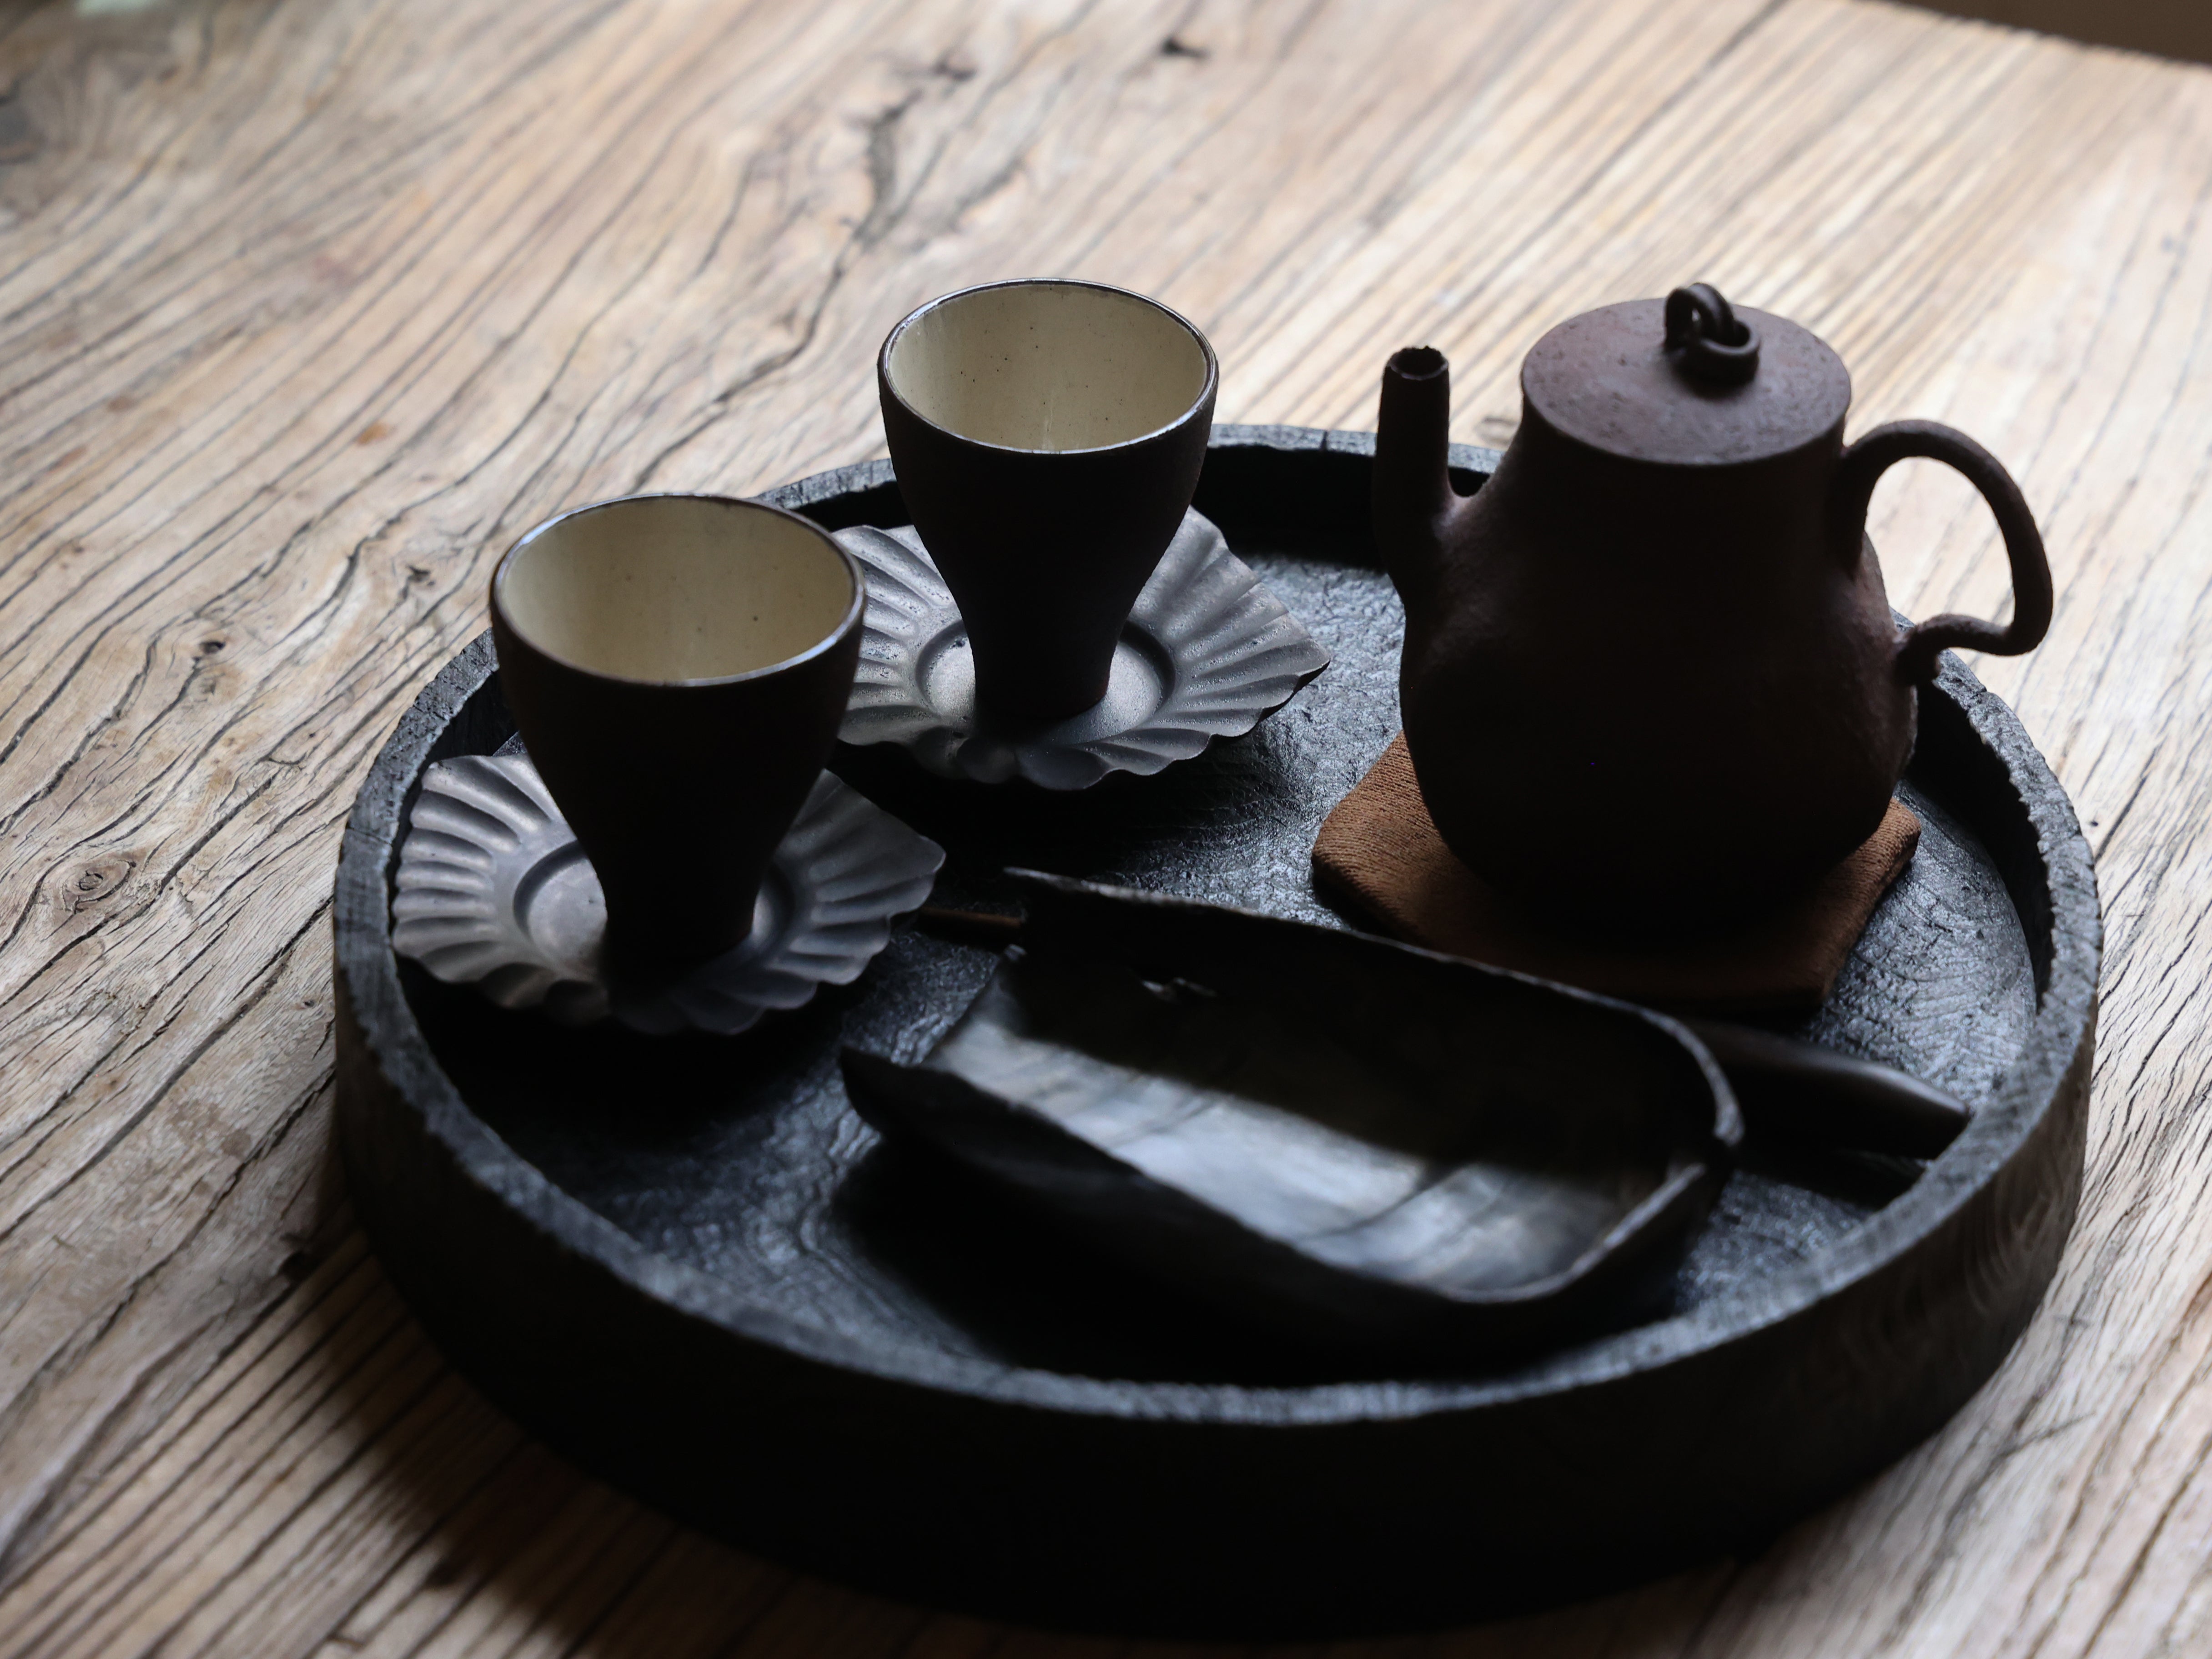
point(493, 890)
point(1208, 652)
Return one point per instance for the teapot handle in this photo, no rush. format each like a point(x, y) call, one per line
point(1865, 461)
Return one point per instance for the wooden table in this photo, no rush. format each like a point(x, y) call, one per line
point(308, 307)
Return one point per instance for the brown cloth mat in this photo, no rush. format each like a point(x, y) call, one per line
point(1379, 854)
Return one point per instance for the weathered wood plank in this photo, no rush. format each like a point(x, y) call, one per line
point(307, 309)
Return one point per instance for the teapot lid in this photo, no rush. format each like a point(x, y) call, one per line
point(1689, 380)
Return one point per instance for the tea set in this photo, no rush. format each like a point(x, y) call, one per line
point(1662, 612)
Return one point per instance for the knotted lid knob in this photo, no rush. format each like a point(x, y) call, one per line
point(1687, 380)
point(1706, 338)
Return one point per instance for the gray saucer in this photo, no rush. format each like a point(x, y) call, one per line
point(1207, 653)
point(494, 891)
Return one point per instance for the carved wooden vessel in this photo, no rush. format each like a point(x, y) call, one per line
point(1336, 1137)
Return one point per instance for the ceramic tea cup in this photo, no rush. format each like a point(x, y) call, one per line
point(677, 666)
point(1047, 437)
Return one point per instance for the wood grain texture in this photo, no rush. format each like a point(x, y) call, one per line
point(308, 306)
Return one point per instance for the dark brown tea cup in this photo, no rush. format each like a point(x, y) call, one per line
point(677, 666)
point(1047, 437)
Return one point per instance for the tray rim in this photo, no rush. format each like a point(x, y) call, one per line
point(2062, 1027)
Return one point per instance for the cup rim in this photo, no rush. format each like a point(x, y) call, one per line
point(1206, 392)
point(846, 624)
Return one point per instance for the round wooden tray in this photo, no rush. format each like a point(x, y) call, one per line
point(685, 1261)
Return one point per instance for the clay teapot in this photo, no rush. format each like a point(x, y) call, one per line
point(1651, 677)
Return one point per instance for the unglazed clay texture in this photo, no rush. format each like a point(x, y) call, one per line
point(1048, 437)
point(493, 890)
point(1663, 611)
point(1208, 652)
point(678, 664)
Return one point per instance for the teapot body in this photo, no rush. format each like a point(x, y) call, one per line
point(1643, 694)
point(1651, 680)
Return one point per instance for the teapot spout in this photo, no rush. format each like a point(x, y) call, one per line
point(1413, 500)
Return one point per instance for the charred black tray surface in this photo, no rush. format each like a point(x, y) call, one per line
point(687, 1262)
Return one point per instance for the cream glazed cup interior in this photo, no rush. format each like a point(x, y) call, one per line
point(677, 588)
point(1048, 365)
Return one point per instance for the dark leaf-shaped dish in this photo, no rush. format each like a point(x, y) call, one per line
point(1344, 1137)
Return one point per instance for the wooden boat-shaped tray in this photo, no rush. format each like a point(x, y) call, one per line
point(686, 1262)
